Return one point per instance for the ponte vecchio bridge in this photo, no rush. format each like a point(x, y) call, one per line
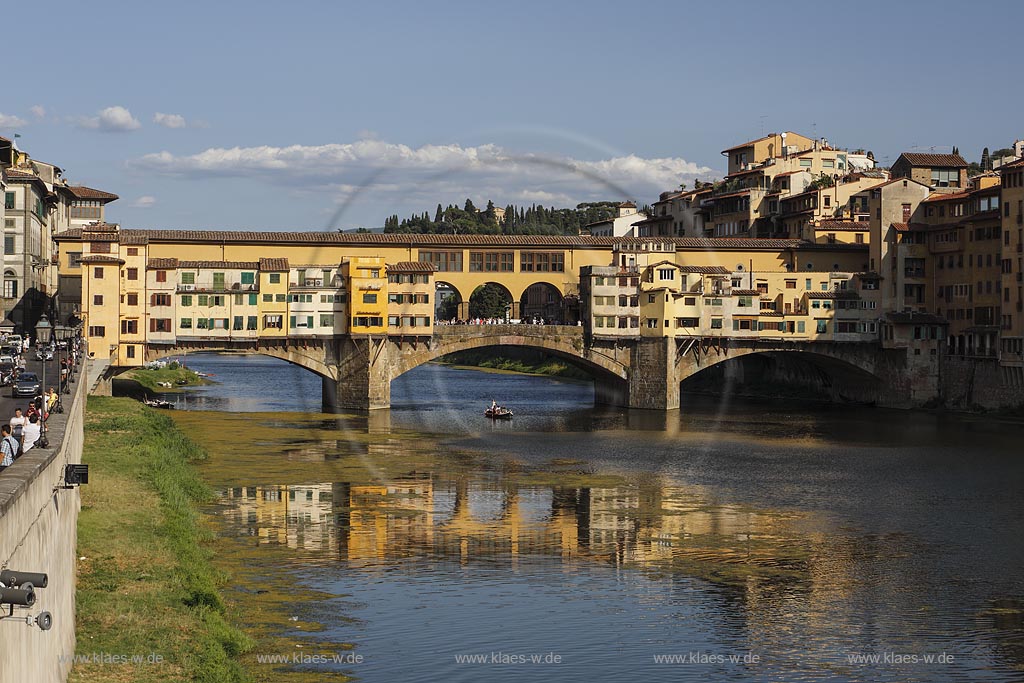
point(360, 309)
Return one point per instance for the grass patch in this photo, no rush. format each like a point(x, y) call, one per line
point(174, 374)
point(145, 581)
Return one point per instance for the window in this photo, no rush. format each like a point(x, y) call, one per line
point(202, 323)
point(444, 261)
point(716, 323)
point(280, 298)
point(369, 298)
point(203, 299)
point(160, 300)
point(273, 322)
point(133, 251)
point(807, 283)
point(822, 326)
point(97, 331)
point(188, 278)
point(945, 177)
point(97, 299)
point(97, 272)
point(800, 326)
point(159, 324)
point(248, 278)
point(132, 273)
point(250, 322)
point(8, 200)
point(161, 276)
point(367, 321)
point(133, 299)
point(542, 262)
point(326, 320)
point(218, 280)
point(666, 273)
point(185, 324)
point(129, 327)
point(239, 321)
point(11, 285)
point(805, 163)
point(252, 299)
point(275, 278)
point(268, 297)
point(790, 284)
point(8, 244)
point(74, 259)
point(652, 323)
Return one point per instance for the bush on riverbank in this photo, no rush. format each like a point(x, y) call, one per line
point(145, 582)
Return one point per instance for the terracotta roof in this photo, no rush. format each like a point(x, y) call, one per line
point(933, 160)
point(705, 270)
point(100, 258)
point(869, 275)
point(918, 318)
point(770, 313)
point(273, 264)
point(241, 265)
point(843, 225)
point(162, 263)
point(15, 174)
point(943, 196)
point(1013, 164)
point(834, 294)
point(411, 267)
point(83, 192)
point(745, 292)
point(905, 227)
point(100, 237)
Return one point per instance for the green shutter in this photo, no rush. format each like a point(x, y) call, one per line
point(291, 322)
point(252, 299)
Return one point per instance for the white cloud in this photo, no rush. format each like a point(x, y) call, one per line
point(115, 119)
point(10, 121)
point(368, 162)
point(38, 111)
point(169, 120)
point(144, 202)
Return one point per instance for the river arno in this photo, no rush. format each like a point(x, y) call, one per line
point(734, 541)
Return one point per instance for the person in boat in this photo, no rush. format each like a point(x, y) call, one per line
point(494, 404)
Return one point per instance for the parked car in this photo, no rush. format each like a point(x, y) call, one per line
point(44, 353)
point(7, 372)
point(15, 341)
point(27, 384)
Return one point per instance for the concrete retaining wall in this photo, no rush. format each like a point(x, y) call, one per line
point(39, 533)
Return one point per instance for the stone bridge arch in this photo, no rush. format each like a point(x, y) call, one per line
point(884, 369)
point(313, 354)
point(565, 342)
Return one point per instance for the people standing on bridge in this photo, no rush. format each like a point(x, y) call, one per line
point(8, 447)
point(30, 434)
point(17, 423)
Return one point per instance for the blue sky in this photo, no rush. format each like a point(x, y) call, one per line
point(274, 114)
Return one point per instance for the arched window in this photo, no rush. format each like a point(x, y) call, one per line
point(10, 284)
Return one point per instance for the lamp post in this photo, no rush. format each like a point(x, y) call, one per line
point(43, 335)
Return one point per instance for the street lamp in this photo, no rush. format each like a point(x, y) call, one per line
point(43, 334)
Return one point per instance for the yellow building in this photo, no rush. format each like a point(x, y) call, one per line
point(1012, 316)
point(368, 293)
point(411, 298)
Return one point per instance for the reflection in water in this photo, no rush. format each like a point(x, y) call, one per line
point(803, 535)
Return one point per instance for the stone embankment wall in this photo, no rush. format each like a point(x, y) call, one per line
point(38, 533)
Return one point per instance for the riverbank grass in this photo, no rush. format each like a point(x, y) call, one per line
point(174, 374)
point(146, 587)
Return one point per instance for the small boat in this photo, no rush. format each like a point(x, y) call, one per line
point(159, 403)
point(498, 413)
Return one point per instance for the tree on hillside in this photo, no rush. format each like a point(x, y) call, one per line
point(986, 160)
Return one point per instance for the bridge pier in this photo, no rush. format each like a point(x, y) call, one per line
point(654, 378)
point(364, 377)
